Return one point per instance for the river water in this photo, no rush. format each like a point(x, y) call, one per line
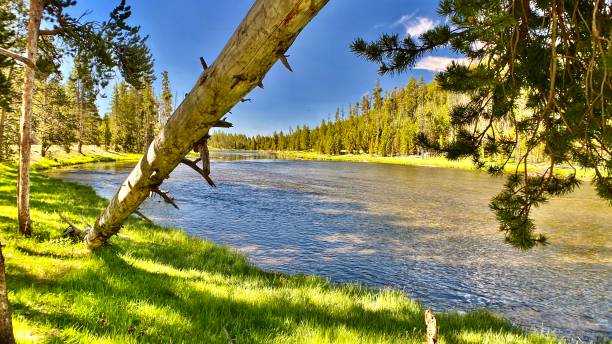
point(426, 231)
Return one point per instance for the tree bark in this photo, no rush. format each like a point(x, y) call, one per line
point(2, 125)
point(25, 124)
point(79, 100)
point(264, 35)
point(6, 324)
point(432, 327)
point(3, 120)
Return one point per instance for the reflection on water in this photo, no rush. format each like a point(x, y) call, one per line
point(427, 231)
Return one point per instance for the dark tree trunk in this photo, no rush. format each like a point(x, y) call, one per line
point(6, 324)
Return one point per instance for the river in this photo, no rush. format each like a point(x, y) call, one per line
point(426, 231)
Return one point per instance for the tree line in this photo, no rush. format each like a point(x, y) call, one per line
point(391, 123)
point(385, 124)
point(64, 113)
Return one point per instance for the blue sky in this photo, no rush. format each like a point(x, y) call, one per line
point(326, 74)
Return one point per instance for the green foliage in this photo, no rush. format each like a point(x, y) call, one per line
point(67, 113)
point(134, 117)
point(53, 119)
point(83, 95)
point(102, 47)
point(154, 284)
point(166, 99)
point(381, 124)
point(7, 40)
point(105, 132)
point(7, 92)
point(539, 67)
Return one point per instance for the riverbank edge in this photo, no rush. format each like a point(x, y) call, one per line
point(81, 159)
point(432, 161)
point(58, 157)
point(49, 244)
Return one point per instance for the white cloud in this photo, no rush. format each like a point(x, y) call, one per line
point(438, 63)
point(415, 26)
point(404, 19)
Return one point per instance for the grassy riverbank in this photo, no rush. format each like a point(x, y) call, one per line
point(154, 284)
point(56, 156)
point(434, 161)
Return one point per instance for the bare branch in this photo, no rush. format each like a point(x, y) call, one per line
point(52, 32)
point(142, 216)
point(164, 195)
point(73, 230)
point(203, 62)
point(85, 221)
point(222, 124)
point(21, 59)
point(285, 62)
point(195, 167)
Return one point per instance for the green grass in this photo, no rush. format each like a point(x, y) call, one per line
point(154, 284)
point(91, 154)
point(57, 157)
point(434, 161)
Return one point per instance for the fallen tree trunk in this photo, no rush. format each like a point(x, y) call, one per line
point(262, 38)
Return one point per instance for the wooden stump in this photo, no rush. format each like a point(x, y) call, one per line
point(432, 327)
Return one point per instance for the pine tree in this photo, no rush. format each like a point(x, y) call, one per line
point(53, 114)
point(166, 99)
point(106, 135)
point(81, 87)
point(123, 118)
point(149, 118)
point(554, 53)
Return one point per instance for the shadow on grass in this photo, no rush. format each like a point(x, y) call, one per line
point(129, 295)
point(158, 285)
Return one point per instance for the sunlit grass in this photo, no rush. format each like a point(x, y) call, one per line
point(57, 157)
point(431, 161)
point(153, 284)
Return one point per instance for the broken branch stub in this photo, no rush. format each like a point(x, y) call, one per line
point(269, 27)
point(142, 216)
point(195, 167)
point(164, 195)
point(73, 230)
point(432, 327)
point(285, 62)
